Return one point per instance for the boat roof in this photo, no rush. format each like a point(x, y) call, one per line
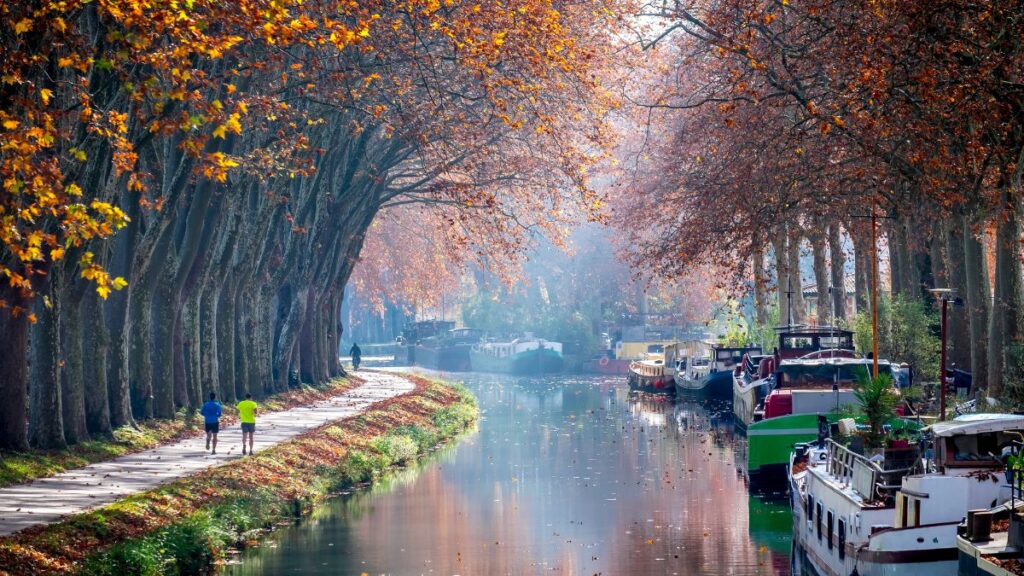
point(836, 361)
point(977, 424)
point(804, 329)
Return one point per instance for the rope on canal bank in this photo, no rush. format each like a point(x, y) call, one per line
point(390, 420)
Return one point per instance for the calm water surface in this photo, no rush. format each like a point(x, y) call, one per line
point(565, 475)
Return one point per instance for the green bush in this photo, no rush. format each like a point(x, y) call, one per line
point(906, 333)
point(396, 448)
point(356, 467)
point(134, 558)
point(452, 419)
point(425, 439)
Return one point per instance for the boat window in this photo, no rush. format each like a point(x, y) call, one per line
point(838, 342)
point(903, 519)
point(817, 519)
point(841, 537)
point(810, 508)
point(798, 343)
point(655, 349)
point(974, 450)
point(828, 533)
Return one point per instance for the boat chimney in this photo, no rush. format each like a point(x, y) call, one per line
point(979, 525)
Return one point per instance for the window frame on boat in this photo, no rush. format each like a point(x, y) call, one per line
point(810, 509)
point(841, 538)
point(817, 519)
point(830, 525)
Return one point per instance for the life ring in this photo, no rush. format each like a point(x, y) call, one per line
point(603, 361)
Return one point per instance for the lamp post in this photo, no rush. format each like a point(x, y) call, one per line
point(945, 295)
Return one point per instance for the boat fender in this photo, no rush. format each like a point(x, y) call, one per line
point(603, 361)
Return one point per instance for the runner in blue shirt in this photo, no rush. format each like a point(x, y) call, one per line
point(211, 412)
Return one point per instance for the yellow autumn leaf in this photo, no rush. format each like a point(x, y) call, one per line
point(23, 25)
point(103, 291)
point(119, 283)
point(46, 94)
point(56, 254)
point(233, 124)
point(10, 124)
point(220, 131)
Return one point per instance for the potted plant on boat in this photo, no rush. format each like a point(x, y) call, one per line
point(878, 402)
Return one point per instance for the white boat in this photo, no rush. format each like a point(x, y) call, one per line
point(898, 514)
point(709, 373)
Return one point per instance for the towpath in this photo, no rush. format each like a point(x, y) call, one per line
point(48, 500)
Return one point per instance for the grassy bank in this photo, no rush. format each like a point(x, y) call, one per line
point(186, 526)
point(21, 467)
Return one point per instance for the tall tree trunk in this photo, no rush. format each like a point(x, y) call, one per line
point(760, 288)
point(290, 328)
point(225, 336)
point(1005, 328)
point(954, 274)
point(862, 274)
point(116, 314)
point(896, 264)
point(307, 340)
point(164, 325)
point(782, 278)
point(140, 318)
point(823, 311)
point(837, 265)
point(46, 423)
point(978, 301)
point(72, 385)
point(192, 344)
point(94, 367)
point(118, 374)
point(13, 380)
point(799, 306)
point(182, 393)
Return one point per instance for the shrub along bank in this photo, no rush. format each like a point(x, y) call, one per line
point(184, 527)
point(21, 467)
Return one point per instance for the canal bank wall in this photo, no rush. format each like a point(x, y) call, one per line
point(191, 524)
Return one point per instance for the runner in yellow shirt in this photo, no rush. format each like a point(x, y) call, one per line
point(247, 414)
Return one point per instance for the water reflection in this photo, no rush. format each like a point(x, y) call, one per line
point(569, 475)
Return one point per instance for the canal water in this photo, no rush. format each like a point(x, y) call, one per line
point(566, 475)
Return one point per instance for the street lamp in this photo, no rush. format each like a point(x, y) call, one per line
point(945, 295)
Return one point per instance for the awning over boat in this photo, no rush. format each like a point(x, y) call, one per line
point(977, 424)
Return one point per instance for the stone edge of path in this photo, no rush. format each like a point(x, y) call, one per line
point(99, 484)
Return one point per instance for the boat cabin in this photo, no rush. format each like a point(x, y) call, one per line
point(423, 329)
point(726, 358)
point(965, 470)
point(817, 385)
point(975, 440)
point(798, 341)
point(464, 336)
point(639, 350)
point(516, 347)
point(688, 354)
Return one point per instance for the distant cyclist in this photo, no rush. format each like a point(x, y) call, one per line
point(357, 356)
point(211, 412)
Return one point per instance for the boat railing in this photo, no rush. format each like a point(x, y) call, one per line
point(874, 482)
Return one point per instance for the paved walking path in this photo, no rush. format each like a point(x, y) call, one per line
point(49, 499)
